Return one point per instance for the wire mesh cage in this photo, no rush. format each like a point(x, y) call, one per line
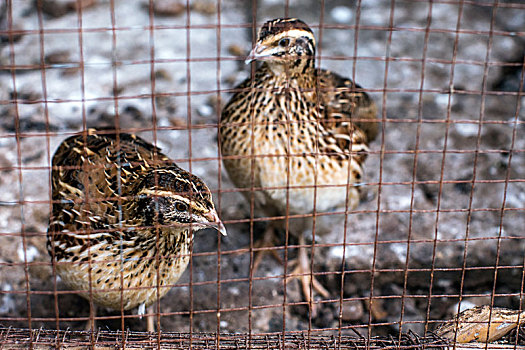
point(440, 220)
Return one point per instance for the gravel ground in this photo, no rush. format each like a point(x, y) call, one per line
point(394, 242)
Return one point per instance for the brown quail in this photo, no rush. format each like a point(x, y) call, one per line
point(123, 219)
point(484, 324)
point(293, 127)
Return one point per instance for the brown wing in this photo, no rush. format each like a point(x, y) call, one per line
point(473, 324)
point(100, 166)
point(345, 104)
point(90, 174)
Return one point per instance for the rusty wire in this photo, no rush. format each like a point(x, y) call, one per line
point(18, 338)
point(312, 337)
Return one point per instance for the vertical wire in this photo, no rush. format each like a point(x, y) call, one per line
point(516, 119)
point(502, 212)
point(21, 203)
point(475, 163)
point(190, 155)
point(507, 177)
point(85, 227)
point(443, 159)
point(414, 168)
point(381, 160)
point(114, 63)
point(287, 221)
point(348, 184)
point(156, 157)
point(252, 177)
point(288, 160)
point(43, 75)
point(318, 91)
point(219, 168)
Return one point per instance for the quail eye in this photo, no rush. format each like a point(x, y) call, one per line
point(284, 42)
point(180, 206)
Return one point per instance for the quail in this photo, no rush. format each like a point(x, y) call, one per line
point(293, 132)
point(123, 219)
point(484, 324)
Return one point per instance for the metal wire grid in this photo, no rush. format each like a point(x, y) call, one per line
point(19, 338)
point(381, 152)
point(50, 339)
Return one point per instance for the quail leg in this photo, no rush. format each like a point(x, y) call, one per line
point(304, 273)
point(268, 240)
point(92, 322)
point(150, 317)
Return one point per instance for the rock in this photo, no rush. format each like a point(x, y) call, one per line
point(167, 7)
point(163, 74)
point(204, 7)
point(342, 14)
point(377, 309)
point(12, 34)
point(58, 8)
point(56, 57)
point(324, 317)
point(205, 111)
point(236, 50)
point(352, 310)
point(178, 123)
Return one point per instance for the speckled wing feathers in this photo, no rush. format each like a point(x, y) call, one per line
point(345, 100)
point(100, 237)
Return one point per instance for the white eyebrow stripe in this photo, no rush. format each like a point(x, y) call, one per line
point(162, 193)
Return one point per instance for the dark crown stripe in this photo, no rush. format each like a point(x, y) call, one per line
point(279, 25)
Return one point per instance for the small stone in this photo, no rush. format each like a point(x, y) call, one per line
point(178, 123)
point(204, 7)
point(57, 57)
point(205, 111)
point(167, 7)
point(5, 163)
point(69, 71)
point(342, 14)
point(377, 309)
point(58, 8)
point(215, 102)
point(352, 310)
point(236, 50)
point(11, 33)
point(133, 112)
point(230, 79)
point(166, 102)
point(162, 74)
point(324, 317)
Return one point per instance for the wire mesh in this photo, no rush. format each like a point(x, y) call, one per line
point(49, 339)
point(440, 223)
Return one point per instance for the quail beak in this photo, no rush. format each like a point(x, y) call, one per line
point(257, 52)
point(215, 222)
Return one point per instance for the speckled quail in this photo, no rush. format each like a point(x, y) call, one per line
point(292, 128)
point(482, 324)
point(123, 219)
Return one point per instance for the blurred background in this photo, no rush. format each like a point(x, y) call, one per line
point(442, 218)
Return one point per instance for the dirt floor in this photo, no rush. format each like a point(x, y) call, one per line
point(407, 239)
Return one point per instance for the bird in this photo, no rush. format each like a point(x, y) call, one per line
point(293, 132)
point(484, 324)
point(123, 218)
